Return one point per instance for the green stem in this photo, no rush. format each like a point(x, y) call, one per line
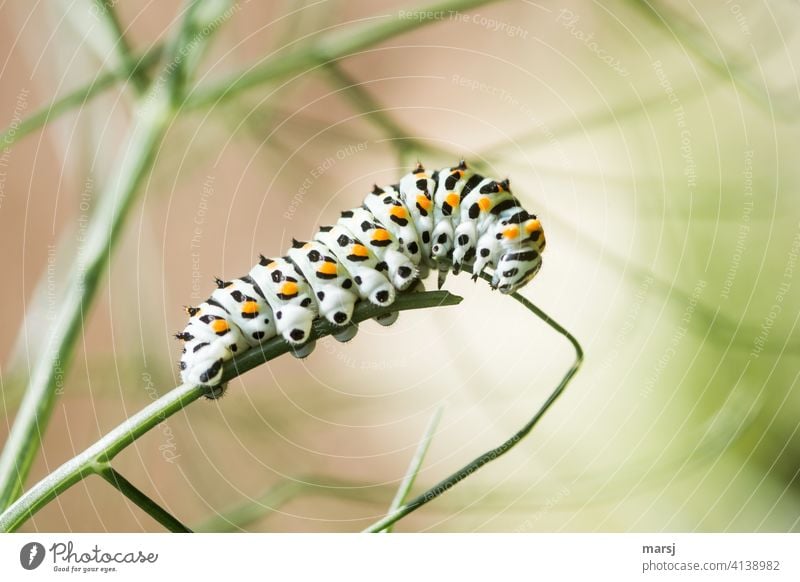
point(153, 115)
point(138, 76)
point(689, 35)
point(240, 515)
point(328, 48)
point(374, 111)
point(415, 465)
point(78, 98)
point(105, 449)
point(150, 507)
point(509, 444)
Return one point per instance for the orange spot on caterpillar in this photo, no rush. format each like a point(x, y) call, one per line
point(398, 212)
point(533, 225)
point(359, 250)
point(289, 288)
point(327, 268)
point(250, 307)
point(219, 326)
point(511, 232)
point(452, 199)
point(424, 202)
point(484, 203)
point(380, 234)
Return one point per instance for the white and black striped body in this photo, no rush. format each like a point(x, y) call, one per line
point(443, 221)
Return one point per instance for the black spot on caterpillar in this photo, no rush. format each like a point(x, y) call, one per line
point(372, 252)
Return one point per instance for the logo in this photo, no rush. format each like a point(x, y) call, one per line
point(31, 555)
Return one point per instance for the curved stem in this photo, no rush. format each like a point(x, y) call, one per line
point(104, 450)
point(509, 444)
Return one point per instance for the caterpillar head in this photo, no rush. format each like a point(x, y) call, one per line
point(516, 268)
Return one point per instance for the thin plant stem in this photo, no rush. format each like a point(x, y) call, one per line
point(415, 465)
point(375, 112)
point(153, 115)
point(240, 515)
point(110, 445)
point(509, 444)
point(328, 48)
point(77, 98)
point(138, 76)
point(150, 507)
point(688, 35)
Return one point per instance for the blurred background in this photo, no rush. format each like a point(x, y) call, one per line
point(656, 141)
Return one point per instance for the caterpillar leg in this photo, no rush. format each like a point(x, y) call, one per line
point(442, 276)
point(347, 333)
point(387, 319)
point(303, 351)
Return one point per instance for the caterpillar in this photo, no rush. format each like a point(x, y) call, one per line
point(444, 220)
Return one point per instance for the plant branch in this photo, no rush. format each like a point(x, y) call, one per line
point(154, 113)
point(689, 35)
point(236, 517)
point(150, 507)
point(374, 111)
point(105, 449)
point(137, 75)
point(415, 465)
point(509, 444)
point(77, 98)
point(330, 47)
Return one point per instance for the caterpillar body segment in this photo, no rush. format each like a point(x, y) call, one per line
point(400, 269)
point(247, 308)
point(362, 264)
point(290, 297)
point(331, 283)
